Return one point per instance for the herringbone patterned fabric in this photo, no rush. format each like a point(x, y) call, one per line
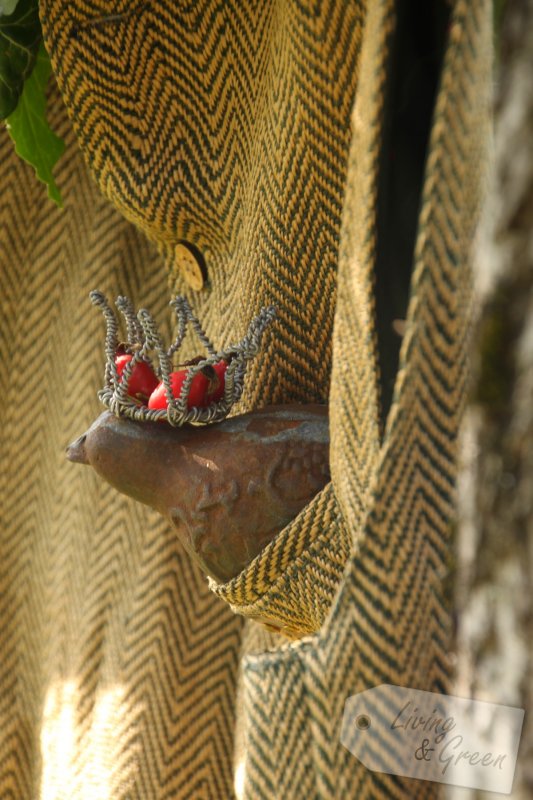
point(110, 640)
point(390, 620)
point(293, 581)
point(209, 123)
point(233, 126)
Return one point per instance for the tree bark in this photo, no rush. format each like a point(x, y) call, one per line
point(494, 597)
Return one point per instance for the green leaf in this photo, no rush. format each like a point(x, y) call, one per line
point(34, 141)
point(20, 36)
point(7, 6)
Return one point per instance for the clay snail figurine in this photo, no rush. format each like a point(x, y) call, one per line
point(228, 485)
point(227, 488)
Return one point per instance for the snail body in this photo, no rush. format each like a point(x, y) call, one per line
point(227, 488)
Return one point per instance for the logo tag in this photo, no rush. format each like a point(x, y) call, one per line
point(434, 737)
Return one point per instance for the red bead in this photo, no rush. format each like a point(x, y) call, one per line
point(143, 379)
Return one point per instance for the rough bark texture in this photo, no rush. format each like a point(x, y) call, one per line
point(495, 536)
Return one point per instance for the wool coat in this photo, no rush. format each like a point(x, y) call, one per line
point(278, 139)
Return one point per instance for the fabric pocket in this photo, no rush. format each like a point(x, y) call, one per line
point(291, 584)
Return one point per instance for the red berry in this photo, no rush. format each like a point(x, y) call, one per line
point(197, 390)
point(206, 387)
point(215, 391)
point(143, 379)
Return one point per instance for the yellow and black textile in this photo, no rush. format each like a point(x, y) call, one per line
point(253, 131)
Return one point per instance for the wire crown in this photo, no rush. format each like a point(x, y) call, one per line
point(143, 341)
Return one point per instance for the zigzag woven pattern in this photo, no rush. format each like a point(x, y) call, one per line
point(390, 621)
point(118, 667)
point(210, 122)
point(292, 582)
point(228, 124)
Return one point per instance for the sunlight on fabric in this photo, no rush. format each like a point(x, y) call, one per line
point(80, 757)
point(57, 742)
point(240, 770)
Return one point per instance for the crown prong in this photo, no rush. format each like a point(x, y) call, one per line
point(98, 299)
point(134, 331)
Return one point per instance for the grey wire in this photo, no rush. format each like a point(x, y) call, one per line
point(143, 330)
